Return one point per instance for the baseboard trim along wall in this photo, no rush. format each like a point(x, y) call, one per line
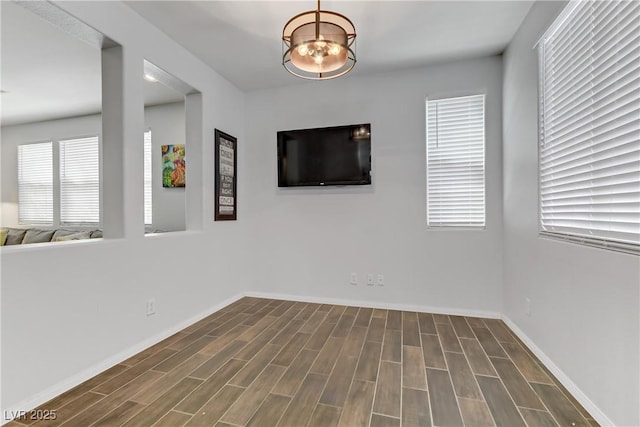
point(577, 393)
point(33, 402)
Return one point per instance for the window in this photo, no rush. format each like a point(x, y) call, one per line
point(590, 125)
point(35, 183)
point(455, 162)
point(148, 183)
point(80, 181)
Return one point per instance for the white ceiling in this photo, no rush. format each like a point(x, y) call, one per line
point(48, 74)
point(241, 39)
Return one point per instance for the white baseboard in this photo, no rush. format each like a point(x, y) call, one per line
point(575, 391)
point(34, 401)
point(377, 304)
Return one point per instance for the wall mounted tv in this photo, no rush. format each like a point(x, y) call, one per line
point(327, 156)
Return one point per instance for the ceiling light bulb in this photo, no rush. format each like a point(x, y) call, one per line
point(334, 49)
point(320, 43)
point(318, 59)
point(303, 49)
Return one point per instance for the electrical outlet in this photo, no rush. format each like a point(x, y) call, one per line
point(370, 279)
point(527, 306)
point(151, 306)
point(354, 279)
point(380, 280)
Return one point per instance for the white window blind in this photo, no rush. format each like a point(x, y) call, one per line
point(148, 183)
point(455, 162)
point(35, 183)
point(590, 125)
point(80, 181)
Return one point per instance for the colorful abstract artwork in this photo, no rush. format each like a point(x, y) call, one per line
point(173, 166)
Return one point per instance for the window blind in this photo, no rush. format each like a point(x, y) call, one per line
point(455, 162)
point(148, 183)
point(35, 183)
point(80, 181)
point(590, 125)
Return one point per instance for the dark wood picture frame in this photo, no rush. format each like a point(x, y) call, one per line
point(226, 179)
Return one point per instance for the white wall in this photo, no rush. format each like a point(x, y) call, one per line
point(308, 241)
point(167, 125)
point(69, 308)
point(584, 301)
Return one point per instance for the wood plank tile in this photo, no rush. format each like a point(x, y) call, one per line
point(529, 368)
point(216, 406)
point(182, 355)
point(432, 352)
point(257, 328)
point(314, 321)
point(307, 312)
point(343, 326)
point(270, 411)
point(282, 308)
point(151, 392)
point(384, 421)
point(214, 363)
point(475, 413)
point(161, 406)
point(461, 327)
point(242, 411)
point(255, 366)
point(448, 338)
point(287, 332)
point(325, 416)
point(394, 319)
point(392, 346)
point(209, 387)
point(89, 414)
point(536, 418)
point(444, 406)
point(464, 382)
point(291, 349)
point(71, 409)
point(415, 408)
point(118, 381)
point(380, 313)
point(475, 322)
point(352, 311)
point(499, 330)
point(441, 319)
point(184, 342)
point(334, 314)
point(119, 415)
point(357, 408)
point(325, 308)
point(320, 336)
point(500, 404)
point(559, 406)
point(139, 357)
point(488, 342)
point(221, 342)
point(516, 385)
point(367, 369)
point(173, 419)
point(328, 356)
point(387, 399)
point(250, 350)
point(363, 317)
point(410, 331)
point(337, 387)
point(478, 360)
point(296, 372)
point(304, 401)
point(413, 374)
point(228, 325)
point(376, 330)
point(426, 323)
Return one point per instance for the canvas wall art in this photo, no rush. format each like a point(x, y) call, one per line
point(173, 166)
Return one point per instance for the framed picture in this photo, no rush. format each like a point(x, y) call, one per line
point(226, 177)
point(173, 166)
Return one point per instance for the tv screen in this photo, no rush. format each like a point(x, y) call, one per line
point(326, 156)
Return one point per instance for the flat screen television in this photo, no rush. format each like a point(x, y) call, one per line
point(326, 156)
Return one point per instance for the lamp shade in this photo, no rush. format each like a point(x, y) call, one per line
point(318, 45)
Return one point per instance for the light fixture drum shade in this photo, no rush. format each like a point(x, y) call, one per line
point(318, 45)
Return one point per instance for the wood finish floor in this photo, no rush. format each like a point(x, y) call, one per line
point(261, 362)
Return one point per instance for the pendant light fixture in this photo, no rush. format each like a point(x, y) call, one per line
point(318, 45)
